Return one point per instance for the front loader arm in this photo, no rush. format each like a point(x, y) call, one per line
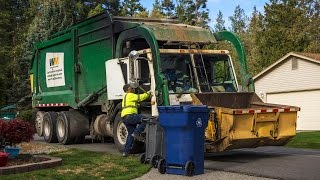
point(246, 79)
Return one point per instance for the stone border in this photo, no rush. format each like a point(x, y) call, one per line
point(53, 162)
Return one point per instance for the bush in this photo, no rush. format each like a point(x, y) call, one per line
point(26, 115)
point(15, 131)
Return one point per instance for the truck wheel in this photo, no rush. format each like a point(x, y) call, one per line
point(63, 129)
point(39, 123)
point(120, 133)
point(49, 126)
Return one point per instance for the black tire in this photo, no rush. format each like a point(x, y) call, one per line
point(63, 128)
point(190, 168)
point(162, 166)
point(79, 140)
point(155, 160)
point(143, 158)
point(49, 126)
point(120, 136)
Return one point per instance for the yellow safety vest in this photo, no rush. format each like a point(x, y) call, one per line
point(130, 101)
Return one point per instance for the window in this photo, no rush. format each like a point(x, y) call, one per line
point(294, 63)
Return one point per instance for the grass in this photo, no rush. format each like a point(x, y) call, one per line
point(79, 164)
point(309, 140)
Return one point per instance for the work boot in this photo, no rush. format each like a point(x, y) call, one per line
point(138, 137)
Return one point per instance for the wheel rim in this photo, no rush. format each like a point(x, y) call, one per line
point(46, 127)
point(39, 126)
point(122, 133)
point(61, 128)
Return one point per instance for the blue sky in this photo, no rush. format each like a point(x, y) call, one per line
point(225, 6)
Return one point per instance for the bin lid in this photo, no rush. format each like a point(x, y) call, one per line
point(183, 108)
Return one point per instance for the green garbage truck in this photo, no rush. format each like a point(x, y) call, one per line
point(77, 77)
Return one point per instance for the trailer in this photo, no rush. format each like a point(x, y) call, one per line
point(77, 77)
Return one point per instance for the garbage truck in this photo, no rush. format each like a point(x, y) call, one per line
point(77, 76)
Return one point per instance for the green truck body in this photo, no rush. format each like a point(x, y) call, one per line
point(77, 75)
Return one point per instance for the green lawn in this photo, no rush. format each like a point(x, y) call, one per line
point(78, 164)
point(310, 140)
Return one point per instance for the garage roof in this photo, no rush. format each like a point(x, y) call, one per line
point(313, 57)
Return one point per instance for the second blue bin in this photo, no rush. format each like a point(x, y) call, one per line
point(184, 130)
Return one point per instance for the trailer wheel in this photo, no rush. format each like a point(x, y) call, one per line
point(63, 129)
point(49, 126)
point(39, 123)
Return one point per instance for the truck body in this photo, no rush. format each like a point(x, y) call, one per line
point(78, 74)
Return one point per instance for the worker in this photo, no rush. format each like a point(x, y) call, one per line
point(130, 116)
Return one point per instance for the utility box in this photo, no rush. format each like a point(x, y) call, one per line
point(184, 131)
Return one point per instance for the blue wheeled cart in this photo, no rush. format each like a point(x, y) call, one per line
point(184, 135)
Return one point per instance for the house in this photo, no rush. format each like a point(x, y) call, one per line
point(294, 80)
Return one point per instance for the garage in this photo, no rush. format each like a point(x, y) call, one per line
point(308, 101)
point(293, 80)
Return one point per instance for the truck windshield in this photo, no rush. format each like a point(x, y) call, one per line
point(214, 73)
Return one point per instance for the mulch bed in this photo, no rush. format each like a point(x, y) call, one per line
point(25, 159)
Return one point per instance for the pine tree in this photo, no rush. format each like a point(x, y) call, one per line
point(238, 20)
point(131, 7)
point(219, 26)
point(285, 29)
point(251, 38)
point(193, 12)
point(156, 11)
point(167, 7)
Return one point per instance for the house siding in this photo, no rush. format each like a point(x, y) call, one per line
point(282, 78)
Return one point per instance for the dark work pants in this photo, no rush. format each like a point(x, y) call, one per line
point(131, 122)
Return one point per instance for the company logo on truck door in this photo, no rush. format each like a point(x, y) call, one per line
point(55, 69)
point(54, 61)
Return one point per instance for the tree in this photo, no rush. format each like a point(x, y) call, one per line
point(131, 7)
point(286, 29)
point(252, 38)
point(238, 20)
point(13, 21)
point(219, 26)
point(193, 12)
point(156, 11)
point(167, 7)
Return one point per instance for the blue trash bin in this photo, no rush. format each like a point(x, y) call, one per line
point(184, 131)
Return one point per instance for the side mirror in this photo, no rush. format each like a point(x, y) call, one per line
point(134, 71)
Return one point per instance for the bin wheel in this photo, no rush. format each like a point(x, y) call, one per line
point(190, 168)
point(162, 166)
point(155, 160)
point(143, 158)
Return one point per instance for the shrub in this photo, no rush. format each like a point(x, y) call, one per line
point(15, 131)
point(26, 115)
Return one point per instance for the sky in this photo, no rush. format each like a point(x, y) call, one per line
point(227, 7)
